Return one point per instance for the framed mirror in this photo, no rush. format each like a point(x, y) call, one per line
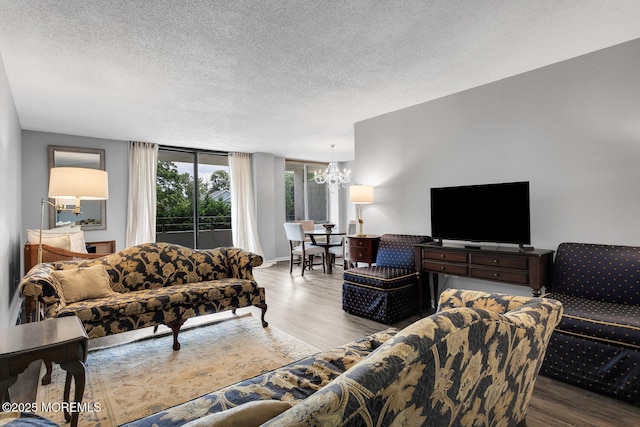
point(93, 215)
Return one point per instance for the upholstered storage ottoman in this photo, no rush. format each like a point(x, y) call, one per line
point(388, 291)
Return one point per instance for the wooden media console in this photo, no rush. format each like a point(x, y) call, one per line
point(507, 265)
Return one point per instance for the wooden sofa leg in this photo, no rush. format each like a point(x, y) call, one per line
point(175, 328)
point(263, 307)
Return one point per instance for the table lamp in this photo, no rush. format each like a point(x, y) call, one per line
point(72, 183)
point(361, 195)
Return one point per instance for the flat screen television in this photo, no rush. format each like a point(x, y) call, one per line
point(497, 213)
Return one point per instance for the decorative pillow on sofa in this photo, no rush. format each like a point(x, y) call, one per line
point(246, 415)
point(75, 233)
point(84, 283)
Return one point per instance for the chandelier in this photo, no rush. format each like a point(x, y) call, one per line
point(332, 176)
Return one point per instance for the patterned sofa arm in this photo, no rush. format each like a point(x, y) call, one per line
point(521, 311)
point(241, 263)
point(40, 285)
point(497, 303)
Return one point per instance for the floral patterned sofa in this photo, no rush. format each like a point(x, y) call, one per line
point(474, 362)
point(597, 343)
point(149, 285)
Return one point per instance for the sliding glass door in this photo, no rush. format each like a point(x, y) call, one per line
point(193, 198)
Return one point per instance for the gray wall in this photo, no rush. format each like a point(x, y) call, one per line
point(279, 242)
point(35, 172)
point(572, 129)
point(11, 192)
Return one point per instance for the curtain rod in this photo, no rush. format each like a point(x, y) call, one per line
point(191, 150)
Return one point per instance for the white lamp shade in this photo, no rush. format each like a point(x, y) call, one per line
point(362, 194)
point(82, 183)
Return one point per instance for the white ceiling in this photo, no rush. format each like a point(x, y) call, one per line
point(284, 77)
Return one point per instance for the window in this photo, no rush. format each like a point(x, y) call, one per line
point(197, 216)
point(304, 198)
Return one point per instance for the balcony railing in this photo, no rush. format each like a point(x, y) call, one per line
point(213, 231)
point(182, 224)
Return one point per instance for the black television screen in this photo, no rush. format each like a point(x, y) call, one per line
point(482, 213)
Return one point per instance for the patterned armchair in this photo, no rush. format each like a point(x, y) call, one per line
point(473, 363)
point(388, 291)
point(597, 343)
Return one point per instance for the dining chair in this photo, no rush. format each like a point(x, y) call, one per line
point(338, 251)
point(307, 224)
point(304, 250)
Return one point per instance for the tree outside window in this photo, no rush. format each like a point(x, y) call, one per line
point(179, 214)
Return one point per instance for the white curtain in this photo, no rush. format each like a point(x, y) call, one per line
point(141, 206)
point(244, 225)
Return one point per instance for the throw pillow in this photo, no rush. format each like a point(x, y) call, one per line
point(84, 283)
point(246, 415)
point(61, 241)
point(75, 233)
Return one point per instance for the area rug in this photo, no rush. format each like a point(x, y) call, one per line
point(133, 380)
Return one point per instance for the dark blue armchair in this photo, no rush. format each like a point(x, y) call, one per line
point(388, 291)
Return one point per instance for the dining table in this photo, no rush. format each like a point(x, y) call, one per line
point(326, 239)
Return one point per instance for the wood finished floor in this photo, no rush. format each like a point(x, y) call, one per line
point(310, 308)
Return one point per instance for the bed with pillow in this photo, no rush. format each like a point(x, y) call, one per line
point(69, 237)
point(63, 243)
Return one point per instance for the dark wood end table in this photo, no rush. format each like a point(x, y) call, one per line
point(62, 340)
point(361, 248)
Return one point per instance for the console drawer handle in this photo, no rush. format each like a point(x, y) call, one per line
point(496, 274)
point(495, 261)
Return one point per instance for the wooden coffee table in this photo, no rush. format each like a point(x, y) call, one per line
point(62, 340)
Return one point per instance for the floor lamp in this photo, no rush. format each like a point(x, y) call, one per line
point(361, 195)
point(72, 183)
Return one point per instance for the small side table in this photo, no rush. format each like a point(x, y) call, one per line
point(62, 340)
point(361, 249)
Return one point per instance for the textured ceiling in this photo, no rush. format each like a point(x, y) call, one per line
point(284, 77)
